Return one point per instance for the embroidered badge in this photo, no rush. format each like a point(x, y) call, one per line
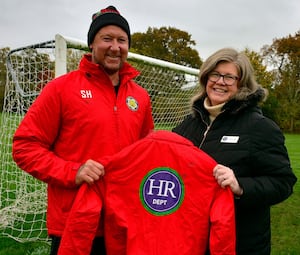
point(132, 104)
point(162, 191)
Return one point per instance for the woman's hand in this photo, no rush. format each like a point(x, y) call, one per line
point(226, 177)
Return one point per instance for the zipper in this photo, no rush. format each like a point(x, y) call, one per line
point(204, 136)
point(207, 128)
point(116, 117)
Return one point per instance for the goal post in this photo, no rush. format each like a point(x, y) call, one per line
point(29, 69)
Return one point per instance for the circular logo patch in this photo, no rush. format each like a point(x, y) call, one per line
point(162, 191)
point(132, 104)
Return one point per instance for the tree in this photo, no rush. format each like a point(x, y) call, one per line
point(284, 57)
point(167, 43)
point(265, 79)
point(167, 85)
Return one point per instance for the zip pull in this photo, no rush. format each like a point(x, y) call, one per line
point(115, 108)
point(204, 136)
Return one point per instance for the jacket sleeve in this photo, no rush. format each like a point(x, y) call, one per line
point(222, 240)
point(83, 221)
point(34, 138)
point(273, 179)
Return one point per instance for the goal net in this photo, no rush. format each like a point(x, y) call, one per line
point(23, 198)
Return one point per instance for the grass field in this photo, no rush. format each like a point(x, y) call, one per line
point(285, 219)
point(286, 215)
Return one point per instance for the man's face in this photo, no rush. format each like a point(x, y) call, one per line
point(110, 48)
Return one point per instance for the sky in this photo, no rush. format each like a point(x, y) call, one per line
point(212, 24)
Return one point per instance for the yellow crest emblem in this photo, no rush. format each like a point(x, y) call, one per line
point(132, 104)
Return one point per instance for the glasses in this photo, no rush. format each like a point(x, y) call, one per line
point(228, 79)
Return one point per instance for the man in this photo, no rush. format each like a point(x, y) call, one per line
point(79, 117)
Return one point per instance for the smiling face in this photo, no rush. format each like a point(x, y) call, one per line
point(110, 48)
point(218, 91)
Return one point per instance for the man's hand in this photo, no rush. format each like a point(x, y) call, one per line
point(89, 172)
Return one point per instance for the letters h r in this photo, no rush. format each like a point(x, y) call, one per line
point(163, 188)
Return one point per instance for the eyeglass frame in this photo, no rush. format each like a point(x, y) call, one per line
point(224, 76)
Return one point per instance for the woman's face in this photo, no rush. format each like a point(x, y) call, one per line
point(222, 83)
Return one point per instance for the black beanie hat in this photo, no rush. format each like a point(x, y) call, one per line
point(105, 17)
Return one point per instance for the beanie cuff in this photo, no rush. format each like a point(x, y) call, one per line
point(108, 16)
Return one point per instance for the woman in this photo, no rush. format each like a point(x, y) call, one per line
point(227, 123)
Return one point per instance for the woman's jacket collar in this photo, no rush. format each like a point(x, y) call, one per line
point(233, 106)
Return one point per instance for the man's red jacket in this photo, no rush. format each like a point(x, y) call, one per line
point(158, 196)
point(77, 117)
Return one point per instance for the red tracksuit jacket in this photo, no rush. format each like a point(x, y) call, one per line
point(75, 118)
point(158, 196)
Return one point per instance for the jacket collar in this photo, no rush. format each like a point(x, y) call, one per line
point(233, 106)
